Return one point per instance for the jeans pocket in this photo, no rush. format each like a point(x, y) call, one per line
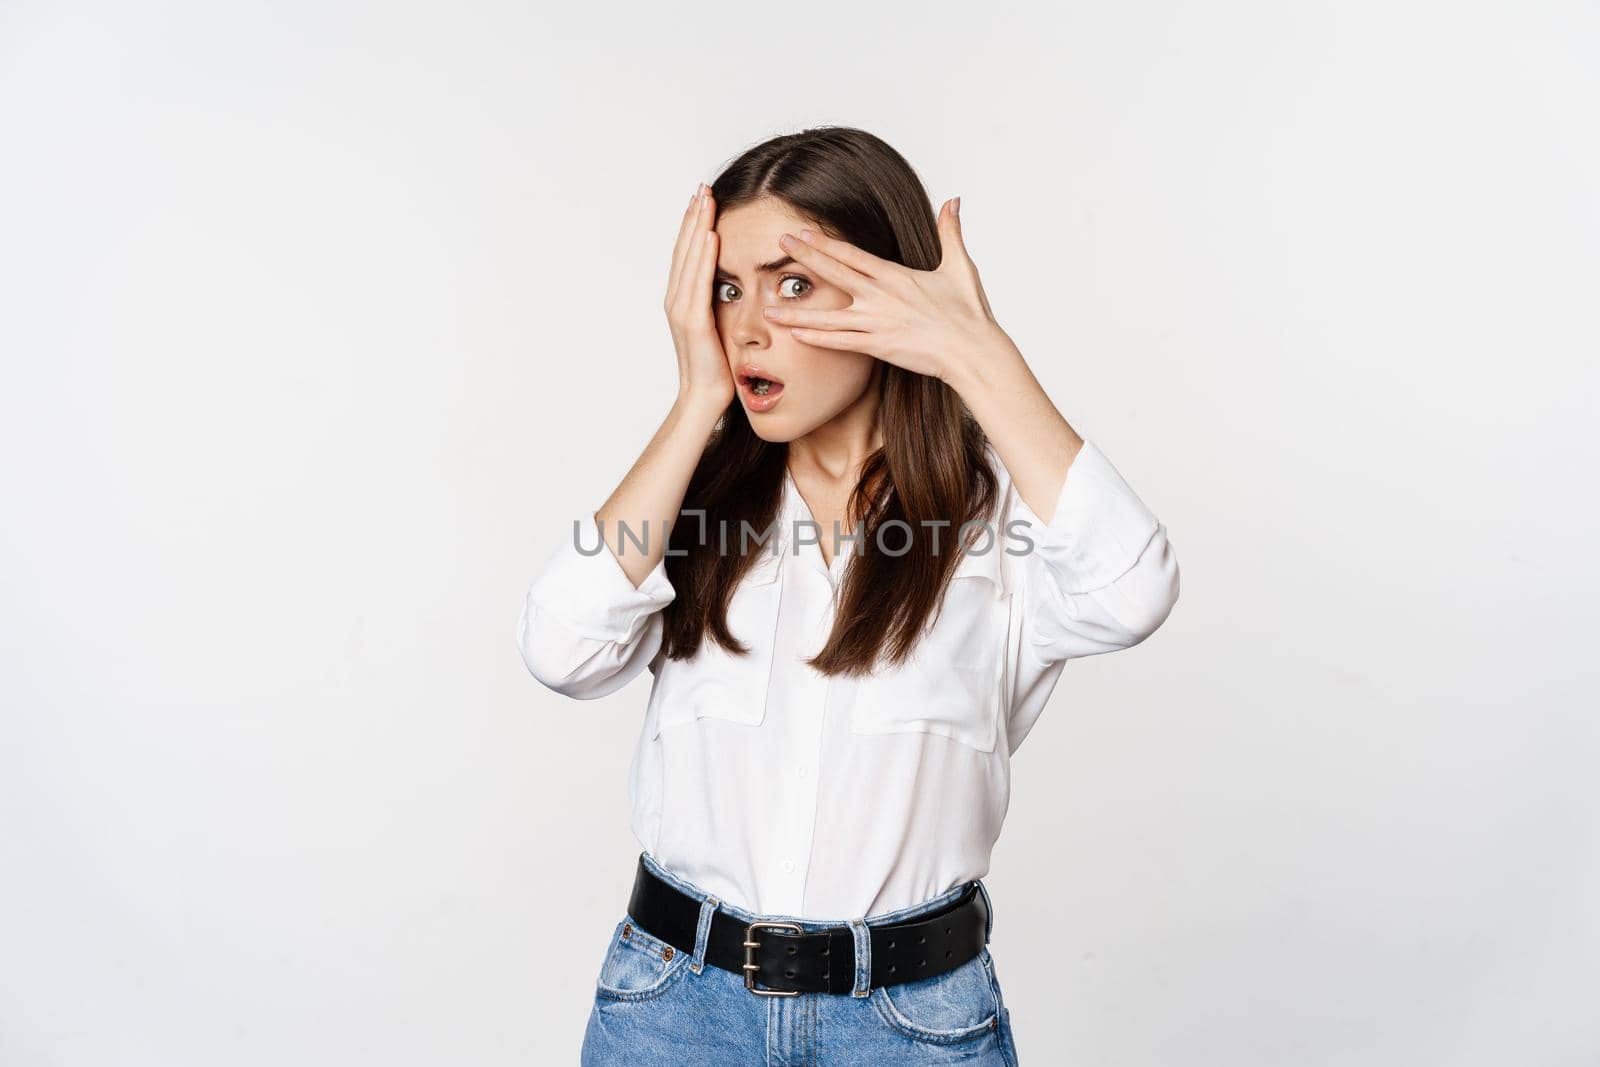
point(638, 965)
point(957, 1005)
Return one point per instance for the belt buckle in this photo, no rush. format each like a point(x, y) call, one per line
point(751, 966)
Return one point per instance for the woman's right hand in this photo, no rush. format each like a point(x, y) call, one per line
point(702, 365)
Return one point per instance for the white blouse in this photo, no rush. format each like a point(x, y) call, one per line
point(786, 792)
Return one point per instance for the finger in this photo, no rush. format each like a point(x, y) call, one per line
point(843, 340)
point(831, 269)
point(815, 318)
point(857, 259)
point(697, 295)
point(952, 243)
point(954, 250)
point(685, 246)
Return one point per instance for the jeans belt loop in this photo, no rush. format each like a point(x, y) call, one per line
point(702, 933)
point(863, 940)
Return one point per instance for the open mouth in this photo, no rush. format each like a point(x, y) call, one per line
point(760, 387)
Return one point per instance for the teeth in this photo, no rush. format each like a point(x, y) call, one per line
point(760, 386)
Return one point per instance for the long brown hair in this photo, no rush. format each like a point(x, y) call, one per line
point(931, 466)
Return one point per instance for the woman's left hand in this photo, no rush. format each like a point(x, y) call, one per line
point(935, 322)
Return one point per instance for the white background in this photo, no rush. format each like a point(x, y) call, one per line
point(321, 321)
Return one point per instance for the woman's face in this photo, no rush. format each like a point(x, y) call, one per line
point(809, 385)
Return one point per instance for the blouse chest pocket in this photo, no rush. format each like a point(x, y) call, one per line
point(952, 682)
point(715, 683)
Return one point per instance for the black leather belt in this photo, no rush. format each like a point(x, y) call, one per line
point(785, 961)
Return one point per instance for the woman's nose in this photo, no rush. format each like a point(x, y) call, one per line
point(750, 325)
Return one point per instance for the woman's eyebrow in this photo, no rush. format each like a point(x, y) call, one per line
point(761, 268)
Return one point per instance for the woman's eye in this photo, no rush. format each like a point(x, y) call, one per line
point(721, 290)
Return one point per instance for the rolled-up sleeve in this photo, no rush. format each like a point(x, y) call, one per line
point(586, 630)
point(1102, 575)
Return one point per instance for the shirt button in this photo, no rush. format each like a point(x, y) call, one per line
point(788, 866)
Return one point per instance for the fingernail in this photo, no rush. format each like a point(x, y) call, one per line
point(807, 236)
point(955, 208)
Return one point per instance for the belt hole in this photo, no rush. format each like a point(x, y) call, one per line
point(792, 950)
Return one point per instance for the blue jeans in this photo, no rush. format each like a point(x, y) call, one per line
point(655, 1004)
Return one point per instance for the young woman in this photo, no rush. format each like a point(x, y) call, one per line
point(854, 557)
